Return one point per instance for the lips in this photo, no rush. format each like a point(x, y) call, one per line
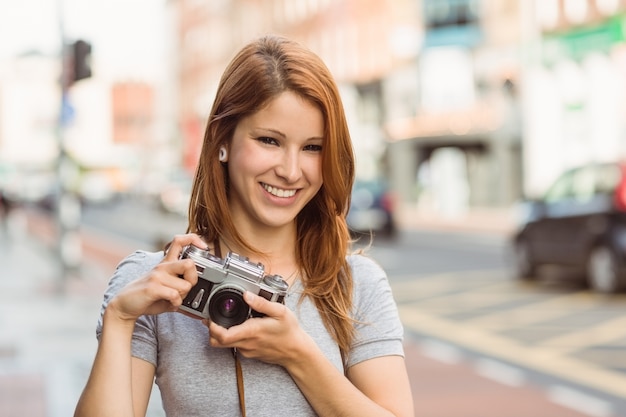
point(278, 192)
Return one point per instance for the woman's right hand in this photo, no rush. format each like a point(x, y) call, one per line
point(162, 289)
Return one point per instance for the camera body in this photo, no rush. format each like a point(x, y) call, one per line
point(218, 295)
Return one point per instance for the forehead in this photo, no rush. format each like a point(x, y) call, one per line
point(288, 111)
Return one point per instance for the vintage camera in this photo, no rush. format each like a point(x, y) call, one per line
point(218, 295)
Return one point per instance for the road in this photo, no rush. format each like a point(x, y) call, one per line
point(550, 343)
point(457, 295)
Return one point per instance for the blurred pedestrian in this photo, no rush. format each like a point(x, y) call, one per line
point(273, 184)
point(6, 206)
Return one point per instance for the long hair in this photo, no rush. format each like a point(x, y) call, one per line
point(260, 72)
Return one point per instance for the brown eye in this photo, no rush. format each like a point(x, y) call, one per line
point(267, 140)
point(313, 148)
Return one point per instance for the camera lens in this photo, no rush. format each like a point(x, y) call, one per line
point(227, 307)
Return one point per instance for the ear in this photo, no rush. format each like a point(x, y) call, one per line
point(223, 155)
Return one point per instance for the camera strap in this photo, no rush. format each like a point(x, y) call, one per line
point(240, 390)
point(238, 370)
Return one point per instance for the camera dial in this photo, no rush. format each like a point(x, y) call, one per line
point(276, 282)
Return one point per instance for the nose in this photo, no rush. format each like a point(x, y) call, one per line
point(289, 167)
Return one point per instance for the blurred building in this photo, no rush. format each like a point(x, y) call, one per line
point(460, 103)
point(29, 110)
point(574, 86)
point(107, 127)
point(133, 112)
point(455, 136)
point(360, 40)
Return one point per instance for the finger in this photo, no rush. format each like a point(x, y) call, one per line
point(189, 273)
point(260, 304)
point(164, 299)
point(183, 283)
point(218, 335)
point(177, 278)
point(170, 273)
point(168, 292)
point(232, 336)
point(180, 241)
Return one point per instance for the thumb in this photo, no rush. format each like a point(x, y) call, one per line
point(256, 302)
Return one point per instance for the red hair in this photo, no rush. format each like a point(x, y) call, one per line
point(260, 72)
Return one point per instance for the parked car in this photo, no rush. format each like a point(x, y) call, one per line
point(580, 223)
point(97, 187)
point(372, 208)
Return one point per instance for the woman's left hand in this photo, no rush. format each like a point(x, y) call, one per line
point(276, 338)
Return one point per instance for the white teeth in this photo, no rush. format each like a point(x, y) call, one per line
point(279, 192)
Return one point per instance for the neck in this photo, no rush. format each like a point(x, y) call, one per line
point(277, 250)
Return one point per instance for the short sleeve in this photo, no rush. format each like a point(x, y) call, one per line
point(144, 342)
point(379, 331)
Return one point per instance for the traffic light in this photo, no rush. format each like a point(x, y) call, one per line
point(81, 61)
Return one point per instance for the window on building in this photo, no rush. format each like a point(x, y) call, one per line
point(607, 7)
point(576, 10)
point(547, 13)
point(442, 13)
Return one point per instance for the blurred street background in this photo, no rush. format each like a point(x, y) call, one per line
point(459, 110)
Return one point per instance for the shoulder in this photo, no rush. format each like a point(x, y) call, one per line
point(129, 269)
point(368, 278)
point(132, 267)
point(360, 260)
point(141, 259)
point(379, 331)
point(365, 270)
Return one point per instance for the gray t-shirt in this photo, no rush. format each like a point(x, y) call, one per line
point(196, 379)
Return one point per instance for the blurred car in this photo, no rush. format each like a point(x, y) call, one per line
point(580, 223)
point(96, 187)
point(372, 208)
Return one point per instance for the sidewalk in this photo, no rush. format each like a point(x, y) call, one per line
point(47, 336)
point(47, 325)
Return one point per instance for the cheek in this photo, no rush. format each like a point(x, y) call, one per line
point(243, 161)
point(250, 156)
point(314, 171)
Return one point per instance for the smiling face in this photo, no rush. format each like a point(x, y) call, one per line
point(275, 163)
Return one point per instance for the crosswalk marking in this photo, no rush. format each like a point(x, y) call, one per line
point(539, 310)
point(607, 331)
point(443, 352)
point(579, 401)
point(408, 288)
point(500, 372)
point(515, 322)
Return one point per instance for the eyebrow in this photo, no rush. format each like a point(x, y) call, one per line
point(282, 135)
point(274, 131)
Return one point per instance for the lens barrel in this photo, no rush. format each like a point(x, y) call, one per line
point(227, 307)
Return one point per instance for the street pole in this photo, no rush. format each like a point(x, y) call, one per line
point(68, 208)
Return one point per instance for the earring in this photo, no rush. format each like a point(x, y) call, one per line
point(223, 157)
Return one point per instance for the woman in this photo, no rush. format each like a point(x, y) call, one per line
point(273, 184)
